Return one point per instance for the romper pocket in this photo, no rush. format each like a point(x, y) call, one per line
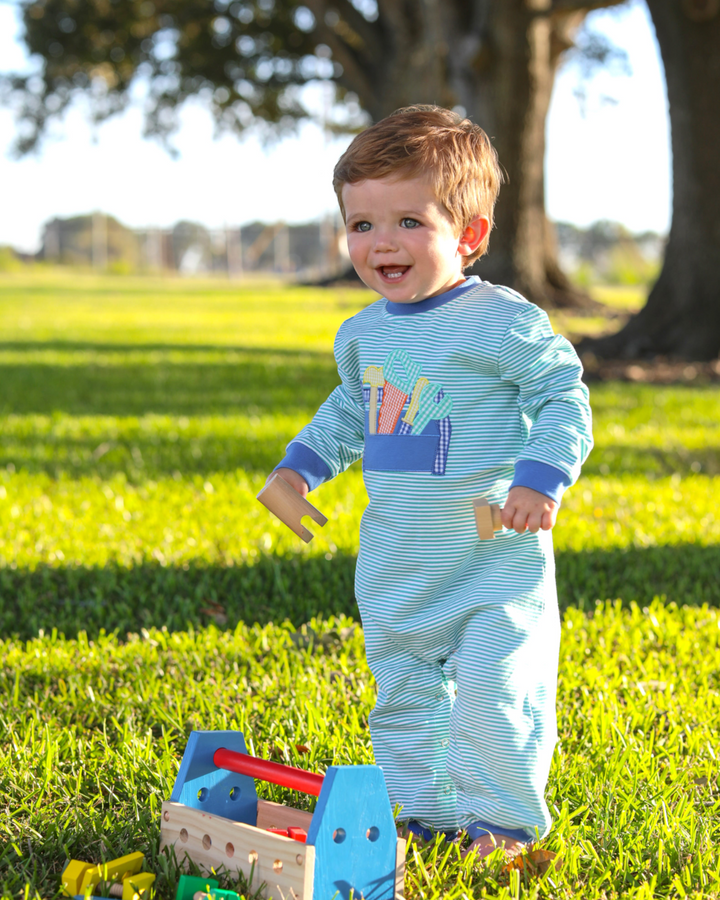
point(401, 452)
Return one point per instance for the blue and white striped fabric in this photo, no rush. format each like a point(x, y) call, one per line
point(442, 611)
point(445, 426)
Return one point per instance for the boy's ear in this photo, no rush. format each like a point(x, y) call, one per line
point(473, 235)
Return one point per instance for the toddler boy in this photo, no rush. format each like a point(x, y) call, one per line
point(451, 389)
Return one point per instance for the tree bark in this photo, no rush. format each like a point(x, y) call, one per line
point(513, 97)
point(682, 314)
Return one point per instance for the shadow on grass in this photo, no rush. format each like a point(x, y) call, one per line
point(172, 379)
point(141, 456)
point(115, 598)
point(71, 599)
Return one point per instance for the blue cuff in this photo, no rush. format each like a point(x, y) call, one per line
point(541, 477)
point(305, 462)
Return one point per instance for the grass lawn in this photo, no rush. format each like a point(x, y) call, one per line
point(144, 592)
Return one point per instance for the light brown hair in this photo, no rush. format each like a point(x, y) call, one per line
point(455, 154)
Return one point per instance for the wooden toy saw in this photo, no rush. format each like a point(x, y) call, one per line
point(284, 501)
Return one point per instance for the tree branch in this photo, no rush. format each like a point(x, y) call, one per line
point(355, 73)
point(369, 32)
point(368, 35)
point(582, 5)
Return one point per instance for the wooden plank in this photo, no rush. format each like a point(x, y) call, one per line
point(284, 501)
point(284, 865)
point(400, 870)
point(275, 815)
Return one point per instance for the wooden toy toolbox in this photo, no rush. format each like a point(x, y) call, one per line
point(215, 820)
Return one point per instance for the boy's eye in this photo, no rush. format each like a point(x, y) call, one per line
point(362, 226)
point(407, 222)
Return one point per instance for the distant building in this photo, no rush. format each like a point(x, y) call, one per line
point(309, 251)
point(92, 240)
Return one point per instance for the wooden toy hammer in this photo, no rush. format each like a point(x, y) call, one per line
point(487, 518)
point(284, 501)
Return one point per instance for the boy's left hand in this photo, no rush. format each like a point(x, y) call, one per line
point(528, 509)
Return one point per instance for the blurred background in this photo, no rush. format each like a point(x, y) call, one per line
point(608, 128)
point(186, 137)
point(143, 137)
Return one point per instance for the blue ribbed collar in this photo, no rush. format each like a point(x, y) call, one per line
point(421, 306)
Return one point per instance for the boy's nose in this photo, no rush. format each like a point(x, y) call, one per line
point(384, 244)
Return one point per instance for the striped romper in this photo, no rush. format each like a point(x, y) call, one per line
point(459, 396)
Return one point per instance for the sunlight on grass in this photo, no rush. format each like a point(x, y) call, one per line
point(64, 306)
point(633, 785)
point(144, 592)
point(629, 298)
point(620, 301)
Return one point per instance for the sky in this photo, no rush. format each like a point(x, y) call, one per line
point(607, 157)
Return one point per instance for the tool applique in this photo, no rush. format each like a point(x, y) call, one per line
point(433, 404)
point(430, 403)
point(375, 378)
point(397, 389)
point(401, 372)
point(409, 418)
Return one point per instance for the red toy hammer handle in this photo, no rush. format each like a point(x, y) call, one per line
point(287, 776)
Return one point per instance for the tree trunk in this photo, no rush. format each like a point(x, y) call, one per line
point(510, 98)
point(496, 59)
point(682, 314)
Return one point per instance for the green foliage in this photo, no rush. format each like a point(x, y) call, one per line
point(144, 592)
point(627, 266)
point(9, 261)
point(247, 59)
point(609, 254)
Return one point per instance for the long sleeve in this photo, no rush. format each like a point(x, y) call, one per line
point(552, 396)
point(334, 439)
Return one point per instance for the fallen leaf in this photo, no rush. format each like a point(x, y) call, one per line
point(535, 862)
point(278, 752)
point(216, 612)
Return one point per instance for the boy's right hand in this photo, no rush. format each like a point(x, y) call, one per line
point(293, 479)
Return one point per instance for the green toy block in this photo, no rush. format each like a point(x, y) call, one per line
point(189, 885)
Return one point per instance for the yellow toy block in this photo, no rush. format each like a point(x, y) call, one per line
point(72, 876)
point(134, 886)
point(115, 870)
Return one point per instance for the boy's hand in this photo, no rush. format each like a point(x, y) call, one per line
point(293, 479)
point(526, 508)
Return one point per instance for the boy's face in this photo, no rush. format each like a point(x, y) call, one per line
point(402, 241)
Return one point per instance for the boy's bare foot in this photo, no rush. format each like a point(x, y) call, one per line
point(488, 843)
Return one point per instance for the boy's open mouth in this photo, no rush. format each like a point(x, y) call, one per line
point(393, 272)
